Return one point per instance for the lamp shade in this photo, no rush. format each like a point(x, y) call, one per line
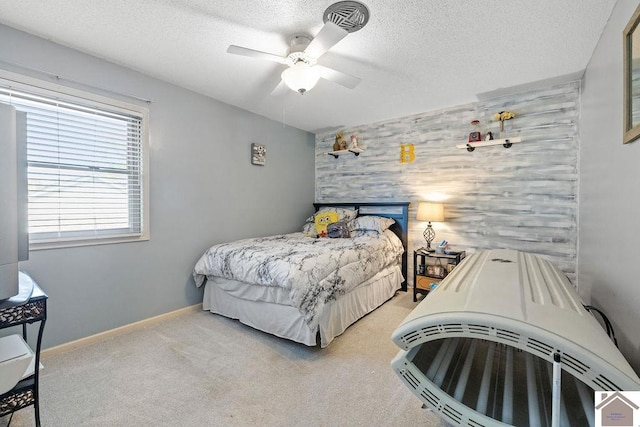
point(432, 212)
point(300, 77)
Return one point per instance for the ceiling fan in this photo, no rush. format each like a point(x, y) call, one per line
point(304, 72)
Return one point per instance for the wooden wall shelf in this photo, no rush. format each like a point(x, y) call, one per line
point(354, 151)
point(506, 142)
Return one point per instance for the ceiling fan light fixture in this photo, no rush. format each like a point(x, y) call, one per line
point(300, 77)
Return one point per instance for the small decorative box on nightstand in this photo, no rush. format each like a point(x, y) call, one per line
point(432, 267)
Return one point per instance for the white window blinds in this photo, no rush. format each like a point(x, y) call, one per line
point(85, 168)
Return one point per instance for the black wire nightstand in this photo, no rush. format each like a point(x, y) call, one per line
point(432, 267)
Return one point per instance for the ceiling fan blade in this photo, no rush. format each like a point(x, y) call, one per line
point(328, 36)
point(339, 77)
point(237, 50)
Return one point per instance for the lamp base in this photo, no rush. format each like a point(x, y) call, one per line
point(429, 234)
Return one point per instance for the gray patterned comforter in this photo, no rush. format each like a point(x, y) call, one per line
point(313, 271)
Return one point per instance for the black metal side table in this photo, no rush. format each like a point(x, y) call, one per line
point(25, 393)
point(430, 267)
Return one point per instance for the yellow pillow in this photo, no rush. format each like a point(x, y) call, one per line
point(322, 220)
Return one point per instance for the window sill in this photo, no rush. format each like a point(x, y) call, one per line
point(59, 244)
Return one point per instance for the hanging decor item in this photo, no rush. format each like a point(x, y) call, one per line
point(502, 116)
point(258, 154)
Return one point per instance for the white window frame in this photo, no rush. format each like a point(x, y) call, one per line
point(34, 86)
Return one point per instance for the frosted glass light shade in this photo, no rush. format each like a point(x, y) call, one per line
point(301, 77)
point(432, 212)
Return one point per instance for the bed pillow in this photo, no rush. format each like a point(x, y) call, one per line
point(343, 214)
point(363, 225)
point(309, 229)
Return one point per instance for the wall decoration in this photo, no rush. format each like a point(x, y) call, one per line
point(523, 198)
point(336, 143)
point(354, 143)
point(475, 135)
point(343, 143)
point(631, 79)
point(258, 154)
point(502, 116)
point(407, 154)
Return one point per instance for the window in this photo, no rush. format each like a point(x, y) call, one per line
point(86, 166)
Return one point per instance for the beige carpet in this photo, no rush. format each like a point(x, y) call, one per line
point(201, 369)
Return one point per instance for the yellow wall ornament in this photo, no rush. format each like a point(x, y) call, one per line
point(407, 154)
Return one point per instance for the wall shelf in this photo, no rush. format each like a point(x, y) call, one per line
point(505, 142)
point(354, 151)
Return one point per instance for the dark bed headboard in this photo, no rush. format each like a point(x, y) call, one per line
point(396, 210)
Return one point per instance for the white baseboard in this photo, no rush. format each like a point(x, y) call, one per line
point(62, 348)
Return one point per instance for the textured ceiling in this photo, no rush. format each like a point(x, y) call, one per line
point(413, 55)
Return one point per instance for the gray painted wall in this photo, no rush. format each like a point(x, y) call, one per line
point(203, 190)
point(609, 181)
point(524, 197)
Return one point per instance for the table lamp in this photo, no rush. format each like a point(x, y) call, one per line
point(430, 212)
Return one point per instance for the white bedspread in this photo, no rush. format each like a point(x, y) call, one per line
point(313, 271)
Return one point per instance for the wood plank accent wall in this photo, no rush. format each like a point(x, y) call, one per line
point(523, 198)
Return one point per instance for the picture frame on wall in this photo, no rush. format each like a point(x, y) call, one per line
point(258, 154)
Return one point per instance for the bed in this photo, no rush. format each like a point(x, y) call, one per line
point(307, 289)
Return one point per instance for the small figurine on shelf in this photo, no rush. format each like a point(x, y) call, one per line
point(337, 144)
point(502, 116)
point(343, 143)
point(489, 136)
point(475, 134)
point(354, 143)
